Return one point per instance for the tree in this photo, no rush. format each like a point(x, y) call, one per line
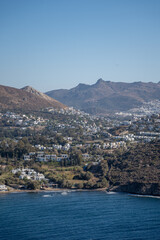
point(79, 185)
point(103, 168)
point(33, 185)
point(76, 158)
point(102, 183)
point(88, 176)
point(90, 184)
point(66, 184)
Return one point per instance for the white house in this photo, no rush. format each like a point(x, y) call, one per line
point(41, 159)
point(26, 158)
point(3, 188)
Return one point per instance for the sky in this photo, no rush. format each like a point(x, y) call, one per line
point(54, 44)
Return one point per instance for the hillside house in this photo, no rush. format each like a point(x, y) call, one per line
point(3, 188)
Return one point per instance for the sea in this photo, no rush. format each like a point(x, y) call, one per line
point(79, 215)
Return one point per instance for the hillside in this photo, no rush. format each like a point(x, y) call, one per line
point(25, 99)
point(107, 97)
point(137, 170)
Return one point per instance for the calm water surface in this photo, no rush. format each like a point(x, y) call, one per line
point(78, 215)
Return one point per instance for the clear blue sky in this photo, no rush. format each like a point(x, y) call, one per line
point(52, 44)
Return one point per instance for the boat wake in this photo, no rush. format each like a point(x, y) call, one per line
point(64, 193)
point(47, 195)
point(111, 193)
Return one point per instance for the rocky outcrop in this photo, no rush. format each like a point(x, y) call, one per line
point(139, 188)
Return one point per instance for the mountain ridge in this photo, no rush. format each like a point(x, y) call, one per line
point(26, 98)
point(106, 96)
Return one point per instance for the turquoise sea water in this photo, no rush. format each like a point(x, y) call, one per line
point(78, 215)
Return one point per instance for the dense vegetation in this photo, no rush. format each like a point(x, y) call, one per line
point(136, 170)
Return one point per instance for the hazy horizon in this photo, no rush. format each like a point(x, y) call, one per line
point(77, 85)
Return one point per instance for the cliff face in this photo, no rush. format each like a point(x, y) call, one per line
point(139, 188)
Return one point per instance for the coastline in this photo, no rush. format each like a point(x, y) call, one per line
point(53, 190)
point(61, 190)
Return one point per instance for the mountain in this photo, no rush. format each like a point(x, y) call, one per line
point(26, 98)
point(107, 97)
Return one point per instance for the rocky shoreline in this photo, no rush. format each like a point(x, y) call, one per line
point(152, 189)
point(52, 190)
point(149, 189)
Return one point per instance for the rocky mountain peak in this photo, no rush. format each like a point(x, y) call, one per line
point(26, 98)
point(35, 92)
point(31, 90)
point(101, 82)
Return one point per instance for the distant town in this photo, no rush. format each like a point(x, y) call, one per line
point(68, 148)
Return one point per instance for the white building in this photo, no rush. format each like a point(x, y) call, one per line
point(3, 188)
point(26, 158)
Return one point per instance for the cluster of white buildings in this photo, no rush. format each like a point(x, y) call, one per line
point(145, 136)
point(27, 173)
point(42, 157)
point(68, 111)
point(111, 145)
point(127, 137)
point(152, 134)
point(3, 188)
point(147, 109)
point(66, 147)
point(85, 120)
point(91, 130)
point(23, 119)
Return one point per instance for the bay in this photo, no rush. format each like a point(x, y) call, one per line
point(78, 215)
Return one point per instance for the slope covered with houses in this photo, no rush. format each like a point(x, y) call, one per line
point(72, 149)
